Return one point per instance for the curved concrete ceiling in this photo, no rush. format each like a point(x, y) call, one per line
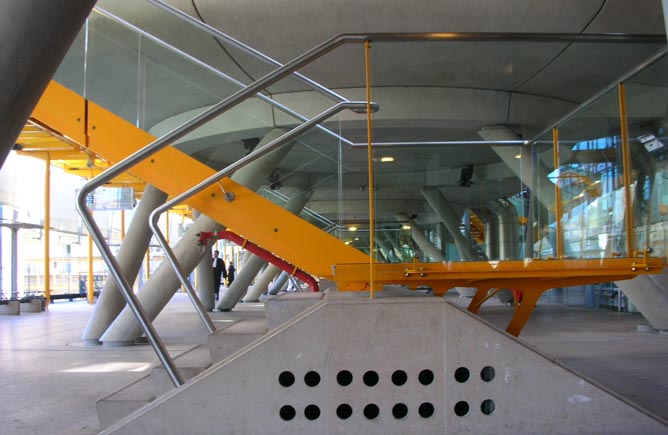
point(426, 91)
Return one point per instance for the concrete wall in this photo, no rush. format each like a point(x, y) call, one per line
point(388, 366)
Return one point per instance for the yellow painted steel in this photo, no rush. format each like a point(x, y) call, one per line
point(63, 111)
point(173, 171)
point(122, 225)
point(47, 232)
point(557, 195)
point(372, 217)
point(531, 277)
point(627, 169)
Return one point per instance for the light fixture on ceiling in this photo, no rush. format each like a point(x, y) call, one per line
point(387, 159)
point(352, 228)
point(405, 227)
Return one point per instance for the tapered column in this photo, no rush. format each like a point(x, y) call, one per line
point(35, 35)
point(428, 249)
point(449, 218)
point(130, 258)
point(261, 284)
point(278, 283)
point(251, 266)
point(204, 273)
point(162, 285)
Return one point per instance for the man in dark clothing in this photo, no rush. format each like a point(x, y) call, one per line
point(218, 273)
point(230, 273)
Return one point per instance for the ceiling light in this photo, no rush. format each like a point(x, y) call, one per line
point(518, 154)
point(352, 228)
point(357, 238)
point(406, 227)
point(387, 159)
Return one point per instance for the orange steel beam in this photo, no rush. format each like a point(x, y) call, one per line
point(173, 172)
point(531, 277)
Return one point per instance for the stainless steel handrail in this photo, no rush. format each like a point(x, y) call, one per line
point(245, 48)
point(244, 94)
point(215, 71)
point(256, 154)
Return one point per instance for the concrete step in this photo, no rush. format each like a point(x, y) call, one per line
point(225, 342)
point(144, 390)
point(285, 306)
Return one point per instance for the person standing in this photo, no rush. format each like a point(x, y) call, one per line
point(218, 273)
point(230, 273)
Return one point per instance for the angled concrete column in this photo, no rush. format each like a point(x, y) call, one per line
point(430, 252)
point(262, 283)
point(204, 278)
point(447, 215)
point(130, 257)
point(278, 283)
point(162, 285)
point(252, 266)
point(386, 250)
point(35, 34)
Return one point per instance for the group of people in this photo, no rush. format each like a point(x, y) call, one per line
point(220, 273)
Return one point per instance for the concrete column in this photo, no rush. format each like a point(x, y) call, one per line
point(35, 35)
point(386, 250)
point(251, 266)
point(130, 258)
point(429, 251)
point(262, 283)
point(278, 283)
point(204, 274)
point(449, 218)
point(162, 285)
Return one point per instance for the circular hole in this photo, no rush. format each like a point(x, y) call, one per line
point(312, 412)
point(286, 379)
point(399, 411)
point(371, 411)
point(488, 407)
point(344, 411)
point(426, 410)
point(487, 373)
point(287, 412)
point(344, 378)
point(370, 378)
point(312, 378)
point(462, 408)
point(462, 374)
point(399, 377)
point(426, 377)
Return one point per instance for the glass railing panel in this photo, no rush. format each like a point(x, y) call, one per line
point(646, 96)
point(539, 171)
point(590, 178)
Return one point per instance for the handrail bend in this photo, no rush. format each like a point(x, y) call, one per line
point(154, 217)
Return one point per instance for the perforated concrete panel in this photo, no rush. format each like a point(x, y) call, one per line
point(388, 366)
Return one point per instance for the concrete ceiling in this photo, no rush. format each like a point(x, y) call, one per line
point(426, 91)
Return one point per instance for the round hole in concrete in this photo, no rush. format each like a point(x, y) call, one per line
point(487, 373)
point(344, 378)
point(287, 412)
point(462, 374)
point(370, 378)
point(286, 379)
point(426, 377)
point(312, 378)
point(488, 407)
point(426, 410)
point(312, 412)
point(462, 408)
point(371, 411)
point(400, 411)
point(344, 411)
point(399, 377)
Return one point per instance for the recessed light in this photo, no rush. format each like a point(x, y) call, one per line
point(405, 227)
point(352, 228)
point(387, 159)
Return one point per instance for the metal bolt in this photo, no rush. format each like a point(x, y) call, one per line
point(229, 196)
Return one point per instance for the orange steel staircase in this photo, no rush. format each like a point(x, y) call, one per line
point(103, 135)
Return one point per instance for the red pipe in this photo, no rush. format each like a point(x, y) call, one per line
point(205, 236)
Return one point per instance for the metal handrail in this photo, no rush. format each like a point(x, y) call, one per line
point(217, 72)
point(250, 90)
point(154, 217)
point(243, 47)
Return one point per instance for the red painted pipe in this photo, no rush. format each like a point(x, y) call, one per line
point(205, 236)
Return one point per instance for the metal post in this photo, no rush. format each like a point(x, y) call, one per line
point(47, 226)
point(627, 170)
point(557, 195)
